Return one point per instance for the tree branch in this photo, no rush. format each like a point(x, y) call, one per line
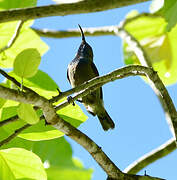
point(152, 156)
point(12, 136)
point(85, 6)
point(49, 112)
point(92, 31)
point(152, 76)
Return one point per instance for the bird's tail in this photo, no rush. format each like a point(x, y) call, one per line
point(106, 121)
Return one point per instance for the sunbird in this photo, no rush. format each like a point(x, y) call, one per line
point(81, 69)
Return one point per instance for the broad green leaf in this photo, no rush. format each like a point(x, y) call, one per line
point(27, 113)
point(158, 49)
point(40, 80)
point(144, 26)
point(9, 103)
point(24, 164)
point(35, 86)
point(2, 102)
point(57, 152)
point(26, 39)
point(36, 132)
point(18, 142)
point(71, 114)
point(9, 4)
point(5, 171)
point(55, 173)
point(40, 132)
point(169, 12)
point(27, 62)
point(8, 112)
point(44, 81)
point(159, 45)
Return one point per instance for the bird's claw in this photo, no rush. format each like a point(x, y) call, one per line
point(70, 100)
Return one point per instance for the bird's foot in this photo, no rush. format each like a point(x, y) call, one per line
point(70, 100)
point(78, 100)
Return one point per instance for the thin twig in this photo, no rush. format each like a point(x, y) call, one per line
point(14, 37)
point(12, 136)
point(152, 156)
point(91, 31)
point(9, 120)
point(84, 6)
point(7, 76)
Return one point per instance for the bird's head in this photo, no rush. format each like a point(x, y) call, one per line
point(85, 49)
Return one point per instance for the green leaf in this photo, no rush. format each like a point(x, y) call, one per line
point(26, 39)
point(39, 80)
point(146, 26)
point(169, 12)
point(27, 113)
point(40, 132)
point(57, 152)
point(8, 112)
point(9, 4)
point(159, 45)
point(27, 62)
point(5, 171)
point(55, 173)
point(71, 114)
point(43, 90)
point(2, 102)
point(44, 81)
point(24, 164)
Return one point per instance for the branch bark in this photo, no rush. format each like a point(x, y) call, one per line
point(12, 136)
point(152, 156)
point(92, 31)
point(85, 6)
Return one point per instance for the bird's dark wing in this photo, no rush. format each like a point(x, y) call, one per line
point(68, 75)
point(97, 74)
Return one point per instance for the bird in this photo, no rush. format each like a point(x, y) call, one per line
point(82, 69)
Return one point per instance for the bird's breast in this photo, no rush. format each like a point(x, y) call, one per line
point(80, 71)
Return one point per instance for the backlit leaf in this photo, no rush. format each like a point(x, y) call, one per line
point(23, 164)
point(27, 113)
point(27, 62)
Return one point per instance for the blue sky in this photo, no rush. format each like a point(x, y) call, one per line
point(136, 111)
